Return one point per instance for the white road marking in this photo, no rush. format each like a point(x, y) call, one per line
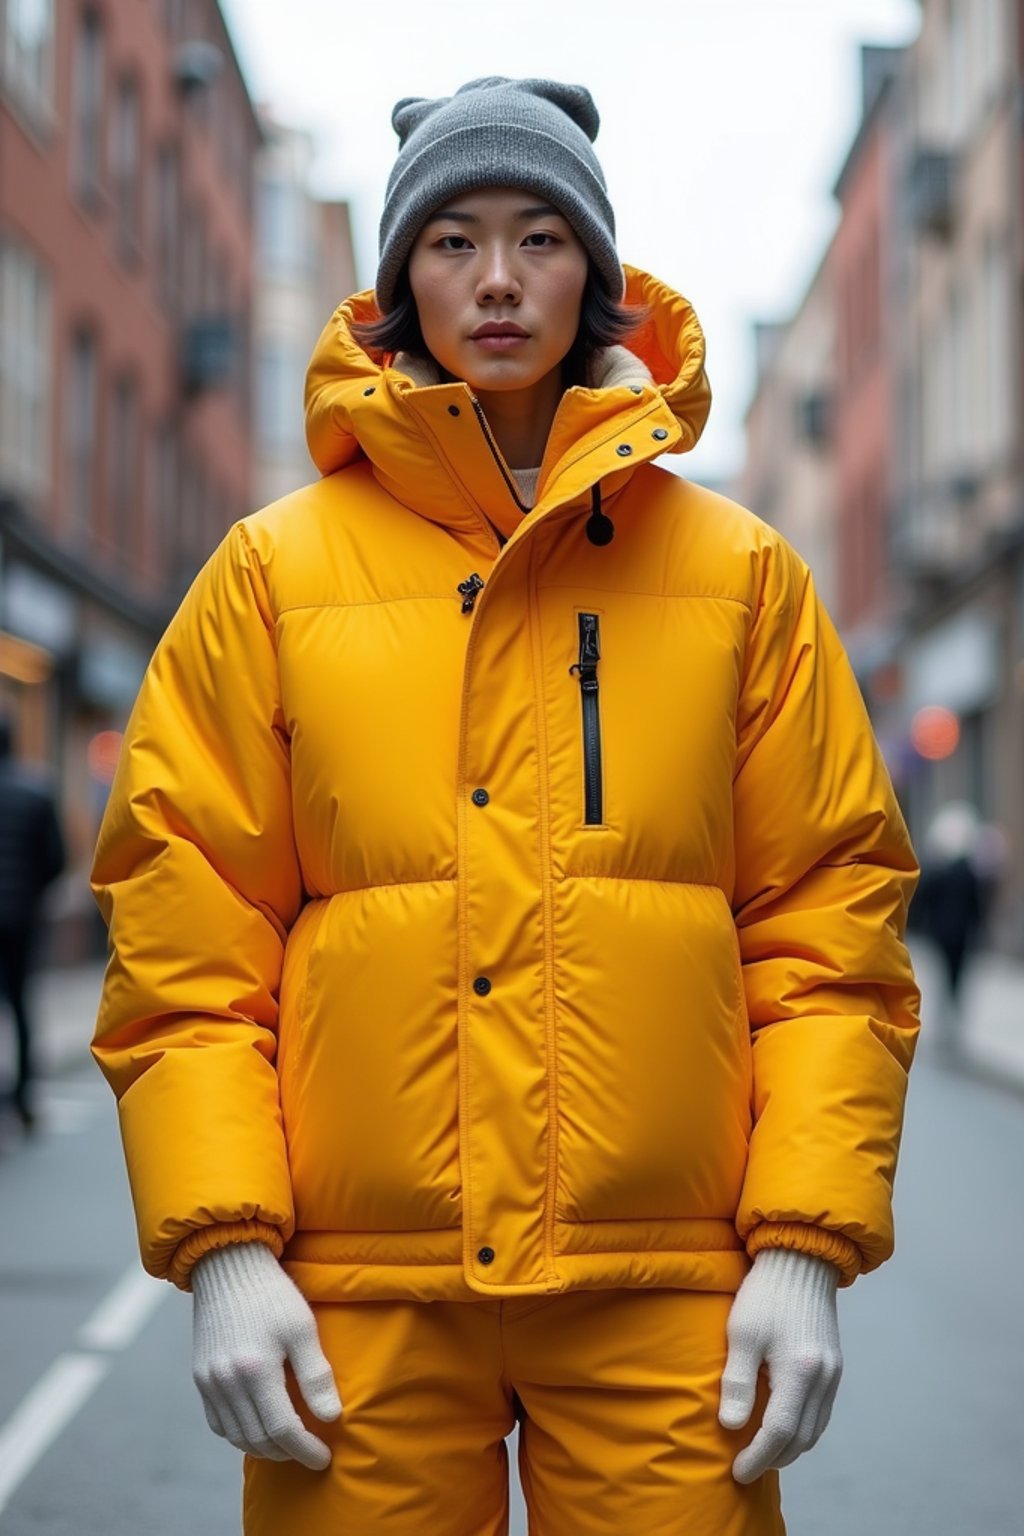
point(120, 1316)
point(73, 1377)
point(38, 1420)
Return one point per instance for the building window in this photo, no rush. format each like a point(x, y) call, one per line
point(193, 260)
point(165, 500)
point(81, 433)
point(218, 284)
point(284, 244)
point(993, 57)
point(957, 64)
point(193, 541)
point(873, 289)
point(25, 375)
point(279, 401)
point(125, 138)
point(997, 331)
point(235, 165)
point(27, 58)
point(243, 371)
point(214, 93)
point(933, 381)
point(124, 467)
point(174, 17)
point(960, 377)
point(87, 108)
point(167, 221)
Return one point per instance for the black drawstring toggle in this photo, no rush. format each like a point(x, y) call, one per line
point(468, 590)
point(600, 528)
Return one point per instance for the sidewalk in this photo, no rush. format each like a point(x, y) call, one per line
point(64, 1004)
point(991, 1032)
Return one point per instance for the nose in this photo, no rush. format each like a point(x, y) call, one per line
point(498, 280)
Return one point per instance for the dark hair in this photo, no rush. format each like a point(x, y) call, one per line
point(603, 323)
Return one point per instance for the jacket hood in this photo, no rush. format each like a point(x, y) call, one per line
point(426, 440)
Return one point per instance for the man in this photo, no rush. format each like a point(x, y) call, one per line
point(32, 855)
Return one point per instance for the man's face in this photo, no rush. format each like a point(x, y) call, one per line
point(492, 256)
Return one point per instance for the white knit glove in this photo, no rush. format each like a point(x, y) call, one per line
point(247, 1316)
point(785, 1313)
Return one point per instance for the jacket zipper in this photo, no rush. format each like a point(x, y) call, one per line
point(482, 419)
point(469, 588)
point(586, 667)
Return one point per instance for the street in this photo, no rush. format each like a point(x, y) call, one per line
point(102, 1429)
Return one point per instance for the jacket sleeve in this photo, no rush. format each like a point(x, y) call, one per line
point(196, 874)
point(825, 872)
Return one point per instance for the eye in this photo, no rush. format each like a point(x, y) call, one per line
point(541, 235)
point(443, 238)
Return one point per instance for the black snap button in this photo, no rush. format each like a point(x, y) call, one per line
point(486, 1255)
point(624, 450)
point(637, 389)
point(370, 390)
point(453, 410)
point(480, 797)
point(482, 985)
point(660, 434)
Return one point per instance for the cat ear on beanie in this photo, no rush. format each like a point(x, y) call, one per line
point(575, 101)
point(407, 114)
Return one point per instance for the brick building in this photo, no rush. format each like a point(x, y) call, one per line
point(127, 145)
point(864, 396)
point(926, 438)
point(304, 266)
point(958, 531)
point(789, 474)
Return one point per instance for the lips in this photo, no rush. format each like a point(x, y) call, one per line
point(498, 328)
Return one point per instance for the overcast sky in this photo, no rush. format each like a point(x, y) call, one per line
point(723, 125)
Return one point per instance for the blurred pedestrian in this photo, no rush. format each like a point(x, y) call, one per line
point(32, 855)
point(508, 1004)
point(948, 905)
point(990, 857)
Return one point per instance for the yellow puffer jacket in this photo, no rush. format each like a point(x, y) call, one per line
point(505, 904)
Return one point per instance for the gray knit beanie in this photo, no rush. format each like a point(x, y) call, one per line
point(497, 132)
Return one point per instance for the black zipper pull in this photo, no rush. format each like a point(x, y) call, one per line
point(468, 590)
point(590, 653)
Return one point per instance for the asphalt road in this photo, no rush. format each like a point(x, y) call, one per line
point(102, 1432)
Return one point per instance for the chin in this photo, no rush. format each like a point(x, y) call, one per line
point(496, 384)
point(505, 373)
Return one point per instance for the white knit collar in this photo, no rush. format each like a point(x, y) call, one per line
point(608, 368)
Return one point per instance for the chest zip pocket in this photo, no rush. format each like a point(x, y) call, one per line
point(586, 667)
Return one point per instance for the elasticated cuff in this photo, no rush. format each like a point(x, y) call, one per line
point(819, 1242)
point(218, 1236)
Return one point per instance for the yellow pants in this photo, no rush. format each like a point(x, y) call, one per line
point(616, 1393)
